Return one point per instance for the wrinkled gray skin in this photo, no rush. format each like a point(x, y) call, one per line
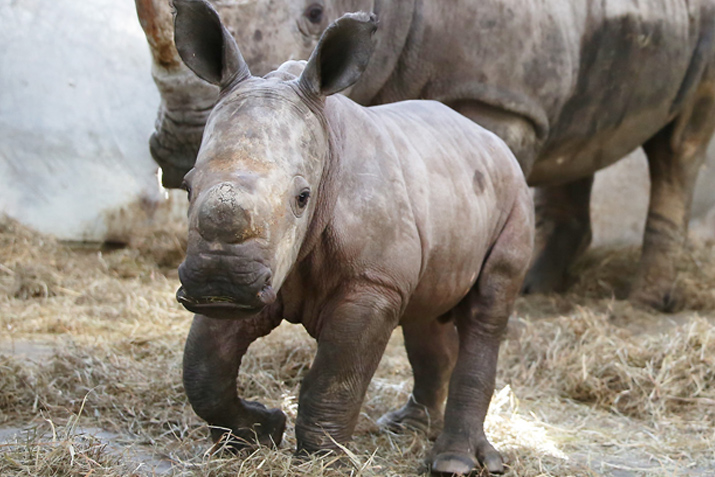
point(570, 86)
point(308, 207)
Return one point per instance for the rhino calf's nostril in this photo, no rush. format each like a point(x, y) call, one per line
point(267, 295)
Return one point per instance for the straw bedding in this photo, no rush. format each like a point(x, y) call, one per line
point(90, 377)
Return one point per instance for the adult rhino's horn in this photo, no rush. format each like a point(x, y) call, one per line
point(157, 22)
point(206, 47)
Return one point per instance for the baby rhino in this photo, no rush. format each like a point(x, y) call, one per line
point(307, 207)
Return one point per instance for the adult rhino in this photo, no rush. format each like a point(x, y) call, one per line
point(570, 86)
point(308, 207)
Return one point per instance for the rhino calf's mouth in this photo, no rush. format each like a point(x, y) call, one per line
point(224, 306)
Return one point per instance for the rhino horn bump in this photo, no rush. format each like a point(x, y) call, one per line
point(156, 20)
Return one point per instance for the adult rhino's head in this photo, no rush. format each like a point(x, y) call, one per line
point(269, 32)
point(256, 185)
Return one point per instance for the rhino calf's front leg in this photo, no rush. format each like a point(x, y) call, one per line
point(350, 345)
point(212, 357)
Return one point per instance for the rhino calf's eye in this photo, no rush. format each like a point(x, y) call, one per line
point(314, 13)
point(302, 199)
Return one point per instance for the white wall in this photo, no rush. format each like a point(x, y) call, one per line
point(77, 105)
point(619, 204)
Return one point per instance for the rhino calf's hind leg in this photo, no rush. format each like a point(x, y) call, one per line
point(432, 350)
point(212, 356)
point(563, 232)
point(675, 155)
point(481, 319)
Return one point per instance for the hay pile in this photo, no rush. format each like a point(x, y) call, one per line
point(587, 384)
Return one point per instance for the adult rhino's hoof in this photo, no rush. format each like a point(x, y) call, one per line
point(413, 416)
point(666, 297)
point(544, 278)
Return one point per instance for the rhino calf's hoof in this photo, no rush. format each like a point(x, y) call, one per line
point(453, 464)
point(334, 459)
point(266, 429)
point(413, 416)
point(459, 464)
point(456, 460)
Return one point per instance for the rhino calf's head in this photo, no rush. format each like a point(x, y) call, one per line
point(255, 188)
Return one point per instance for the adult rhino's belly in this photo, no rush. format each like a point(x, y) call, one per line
point(573, 158)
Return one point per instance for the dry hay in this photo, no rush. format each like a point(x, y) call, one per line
point(586, 358)
point(587, 384)
point(607, 273)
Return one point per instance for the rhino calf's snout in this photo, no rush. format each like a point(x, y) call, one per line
point(222, 218)
point(230, 283)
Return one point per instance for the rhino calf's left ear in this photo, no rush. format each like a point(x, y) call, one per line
point(341, 56)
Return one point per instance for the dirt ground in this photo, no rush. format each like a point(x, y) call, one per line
point(90, 379)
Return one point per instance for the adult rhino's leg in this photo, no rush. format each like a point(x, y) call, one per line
point(356, 328)
point(481, 320)
point(212, 357)
point(432, 350)
point(563, 232)
point(675, 155)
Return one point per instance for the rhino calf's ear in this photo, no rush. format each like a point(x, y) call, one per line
point(341, 56)
point(204, 44)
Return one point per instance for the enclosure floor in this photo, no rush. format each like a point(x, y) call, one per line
point(587, 385)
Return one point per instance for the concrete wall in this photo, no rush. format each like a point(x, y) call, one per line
point(619, 203)
point(77, 105)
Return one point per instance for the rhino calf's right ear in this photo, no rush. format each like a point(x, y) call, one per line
point(341, 56)
point(205, 46)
